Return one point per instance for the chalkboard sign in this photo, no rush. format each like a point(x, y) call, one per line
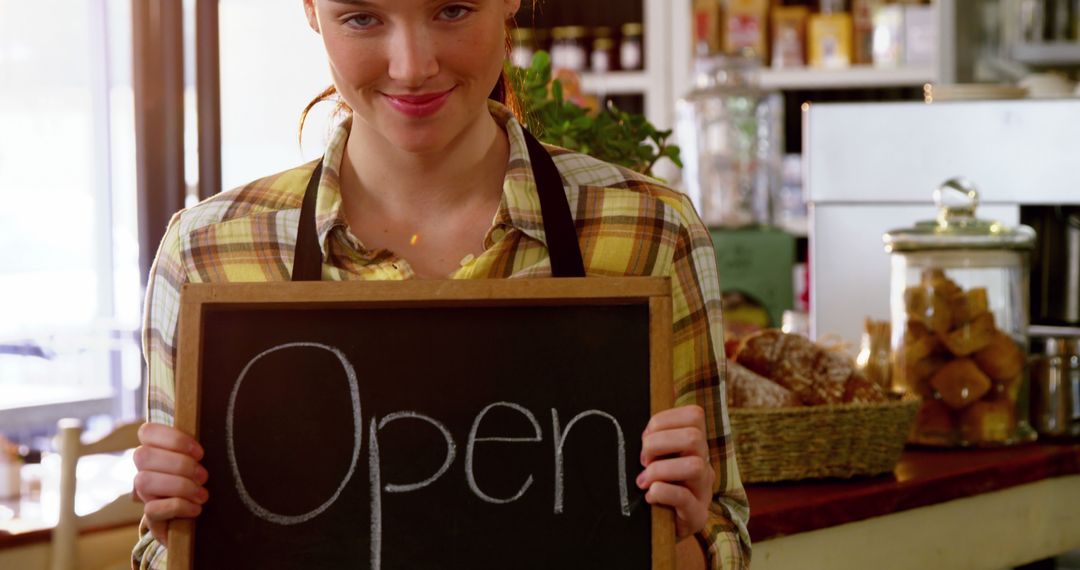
point(448, 424)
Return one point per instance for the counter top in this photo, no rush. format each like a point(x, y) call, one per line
point(924, 477)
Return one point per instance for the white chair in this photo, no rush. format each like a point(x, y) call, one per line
point(124, 510)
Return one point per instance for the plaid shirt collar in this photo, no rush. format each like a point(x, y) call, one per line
point(519, 207)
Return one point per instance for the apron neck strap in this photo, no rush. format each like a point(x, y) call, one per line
point(562, 239)
point(559, 230)
point(307, 257)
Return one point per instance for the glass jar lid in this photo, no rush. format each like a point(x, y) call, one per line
point(956, 226)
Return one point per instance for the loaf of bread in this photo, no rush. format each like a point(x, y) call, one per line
point(745, 389)
point(961, 383)
point(814, 374)
point(862, 390)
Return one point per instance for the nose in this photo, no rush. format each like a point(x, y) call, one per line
point(412, 57)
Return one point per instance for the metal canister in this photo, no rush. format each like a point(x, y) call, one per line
point(1055, 386)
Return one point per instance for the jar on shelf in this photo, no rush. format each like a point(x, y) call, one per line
point(959, 299)
point(570, 48)
point(632, 47)
point(602, 57)
point(730, 133)
point(523, 42)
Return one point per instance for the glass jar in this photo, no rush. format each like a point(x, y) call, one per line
point(523, 42)
point(632, 47)
point(959, 299)
point(730, 133)
point(602, 59)
point(570, 48)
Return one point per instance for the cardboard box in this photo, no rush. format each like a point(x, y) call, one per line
point(829, 38)
point(920, 35)
point(889, 36)
point(758, 263)
point(789, 36)
point(862, 17)
point(706, 27)
point(746, 27)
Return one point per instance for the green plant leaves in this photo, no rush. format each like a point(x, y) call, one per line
point(612, 135)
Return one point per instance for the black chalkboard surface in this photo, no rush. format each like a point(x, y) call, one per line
point(411, 425)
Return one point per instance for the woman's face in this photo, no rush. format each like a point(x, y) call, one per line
point(415, 72)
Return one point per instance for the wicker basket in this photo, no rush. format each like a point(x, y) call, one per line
point(783, 444)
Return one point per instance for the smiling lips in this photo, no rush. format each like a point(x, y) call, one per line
point(419, 106)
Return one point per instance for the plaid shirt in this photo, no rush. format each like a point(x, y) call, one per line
point(627, 225)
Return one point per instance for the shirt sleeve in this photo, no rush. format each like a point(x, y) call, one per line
point(698, 341)
point(160, 321)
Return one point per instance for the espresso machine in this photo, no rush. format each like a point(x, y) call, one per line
point(870, 167)
point(1055, 315)
point(1055, 264)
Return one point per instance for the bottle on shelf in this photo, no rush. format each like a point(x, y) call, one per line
point(523, 42)
point(632, 47)
point(570, 48)
point(602, 56)
point(730, 135)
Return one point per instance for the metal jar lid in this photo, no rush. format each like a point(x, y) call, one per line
point(956, 226)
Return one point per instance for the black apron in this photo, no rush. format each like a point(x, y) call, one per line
point(562, 241)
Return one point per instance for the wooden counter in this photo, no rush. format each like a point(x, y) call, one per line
point(940, 509)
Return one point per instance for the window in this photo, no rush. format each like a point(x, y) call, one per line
point(272, 65)
point(70, 298)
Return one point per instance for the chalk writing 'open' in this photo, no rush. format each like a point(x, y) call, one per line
point(378, 488)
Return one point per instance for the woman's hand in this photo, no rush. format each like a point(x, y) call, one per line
point(170, 480)
point(677, 471)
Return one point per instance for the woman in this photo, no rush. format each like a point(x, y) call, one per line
point(429, 178)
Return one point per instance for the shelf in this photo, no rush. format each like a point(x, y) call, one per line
point(1056, 53)
point(615, 83)
point(861, 76)
point(1049, 331)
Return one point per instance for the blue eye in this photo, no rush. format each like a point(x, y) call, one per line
point(454, 13)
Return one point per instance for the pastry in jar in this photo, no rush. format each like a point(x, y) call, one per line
point(1001, 359)
point(935, 424)
point(960, 383)
point(971, 337)
point(968, 305)
point(919, 373)
point(988, 421)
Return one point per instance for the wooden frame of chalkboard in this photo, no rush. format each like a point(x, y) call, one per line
point(200, 303)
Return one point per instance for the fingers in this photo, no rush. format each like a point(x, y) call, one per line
point(675, 418)
point(152, 486)
point(160, 531)
point(690, 514)
point(170, 438)
point(161, 460)
point(695, 474)
point(170, 479)
point(679, 441)
point(160, 512)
